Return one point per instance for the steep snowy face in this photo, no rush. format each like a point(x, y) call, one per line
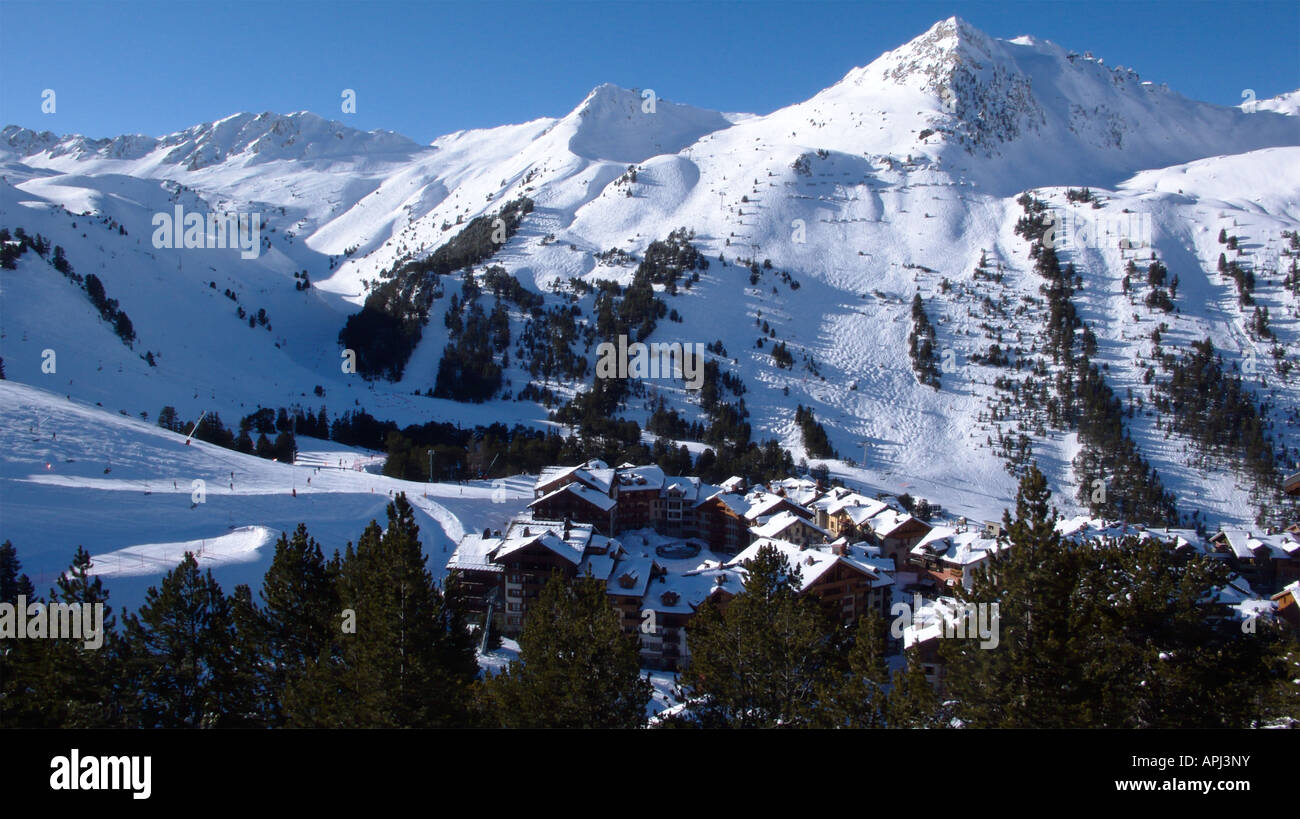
point(1022, 113)
point(622, 125)
point(974, 79)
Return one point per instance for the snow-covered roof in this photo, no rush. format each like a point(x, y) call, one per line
point(734, 484)
point(762, 504)
point(890, 520)
point(597, 566)
point(961, 548)
point(580, 535)
point(930, 619)
point(812, 563)
point(640, 478)
point(1291, 484)
point(547, 540)
point(782, 521)
point(799, 490)
point(1246, 545)
point(686, 487)
point(858, 507)
point(595, 473)
point(630, 577)
point(736, 503)
point(682, 593)
point(591, 496)
point(474, 553)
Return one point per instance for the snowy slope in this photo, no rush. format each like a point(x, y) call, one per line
point(72, 475)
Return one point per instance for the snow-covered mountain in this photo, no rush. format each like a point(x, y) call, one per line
point(895, 180)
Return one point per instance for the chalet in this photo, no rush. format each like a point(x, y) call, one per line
point(675, 510)
point(734, 484)
point(1265, 560)
point(849, 582)
point(790, 527)
point(482, 582)
point(1234, 601)
point(721, 523)
point(594, 475)
point(578, 502)
point(952, 557)
point(626, 586)
point(527, 563)
point(1288, 604)
point(931, 622)
point(671, 600)
point(765, 504)
point(896, 532)
point(800, 491)
point(1292, 484)
point(843, 513)
point(639, 488)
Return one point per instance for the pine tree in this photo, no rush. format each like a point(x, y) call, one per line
point(301, 611)
point(912, 702)
point(19, 659)
point(1103, 634)
point(410, 662)
point(577, 667)
point(12, 583)
point(83, 689)
point(179, 653)
point(760, 660)
point(1028, 680)
point(857, 697)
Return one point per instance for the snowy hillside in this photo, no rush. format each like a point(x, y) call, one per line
point(137, 497)
point(894, 181)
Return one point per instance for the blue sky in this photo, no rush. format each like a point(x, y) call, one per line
point(425, 69)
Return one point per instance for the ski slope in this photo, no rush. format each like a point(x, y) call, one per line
point(74, 475)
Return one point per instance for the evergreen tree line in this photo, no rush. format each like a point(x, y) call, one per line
point(468, 369)
point(108, 308)
point(815, 440)
point(1113, 635)
point(363, 639)
point(264, 422)
point(1120, 634)
point(1216, 412)
point(920, 345)
point(391, 322)
point(1115, 480)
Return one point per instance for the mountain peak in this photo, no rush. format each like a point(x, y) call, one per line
point(632, 125)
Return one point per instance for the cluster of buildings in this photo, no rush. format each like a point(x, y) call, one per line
point(664, 545)
point(1263, 575)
